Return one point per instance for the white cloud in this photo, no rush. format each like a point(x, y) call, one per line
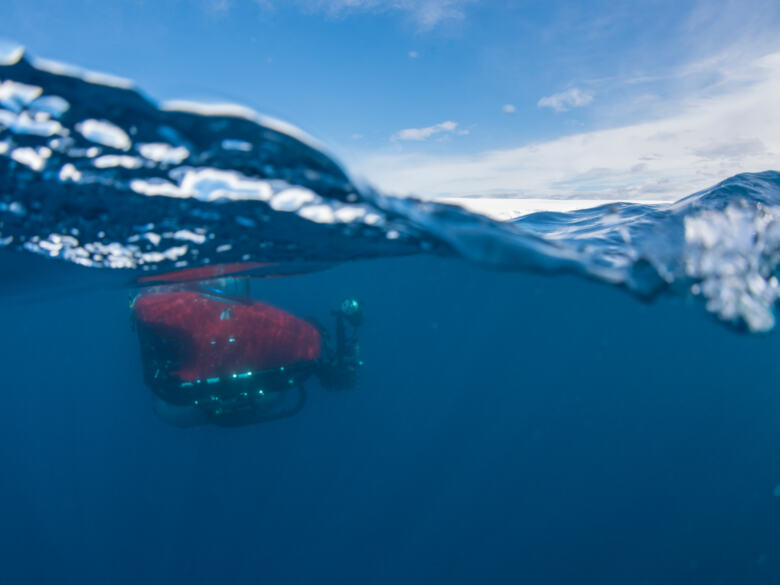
point(508, 109)
point(571, 98)
point(728, 127)
point(413, 54)
point(426, 14)
point(419, 134)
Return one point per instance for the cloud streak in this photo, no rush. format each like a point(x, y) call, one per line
point(426, 14)
point(729, 127)
point(566, 100)
point(420, 134)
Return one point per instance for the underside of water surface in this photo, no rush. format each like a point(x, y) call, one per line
point(94, 173)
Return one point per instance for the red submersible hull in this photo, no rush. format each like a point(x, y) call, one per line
point(211, 358)
point(225, 362)
point(202, 338)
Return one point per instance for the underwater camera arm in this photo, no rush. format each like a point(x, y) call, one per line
point(339, 370)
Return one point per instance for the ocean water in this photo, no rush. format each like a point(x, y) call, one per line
point(583, 397)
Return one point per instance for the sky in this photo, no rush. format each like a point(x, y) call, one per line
point(644, 100)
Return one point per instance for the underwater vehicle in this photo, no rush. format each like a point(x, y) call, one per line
point(212, 355)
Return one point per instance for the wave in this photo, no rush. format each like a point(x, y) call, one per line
point(94, 173)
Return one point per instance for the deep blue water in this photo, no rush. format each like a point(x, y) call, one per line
point(506, 428)
point(569, 398)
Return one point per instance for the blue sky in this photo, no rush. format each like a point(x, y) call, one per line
point(630, 100)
